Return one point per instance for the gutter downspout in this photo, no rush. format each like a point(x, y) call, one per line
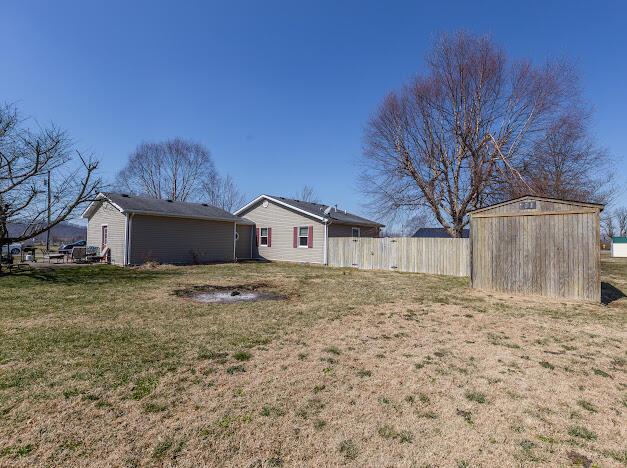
point(234, 241)
point(326, 242)
point(126, 240)
point(129, 237)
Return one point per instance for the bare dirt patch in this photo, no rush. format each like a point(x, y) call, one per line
point(229, 294)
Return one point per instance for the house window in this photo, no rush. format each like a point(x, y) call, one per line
point(303, 236)
point(356, 232)
point(263, 236)
point(104, 237)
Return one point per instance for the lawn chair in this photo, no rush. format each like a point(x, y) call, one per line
point(78, 254)
point(93, 254)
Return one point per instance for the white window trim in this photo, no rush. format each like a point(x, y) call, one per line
point(358, 232)
point(101, 239)
point(261, 244)
point(306, 246)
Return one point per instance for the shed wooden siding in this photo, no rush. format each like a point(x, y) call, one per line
point(282, 220)
point(116, 222)
point(180, 240)
point(540, 252)
point(412, 254)
point(346, 230)
point(245, 240)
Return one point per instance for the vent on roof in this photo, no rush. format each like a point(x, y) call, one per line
point(125, 195)
point(204, 204)
point(170, 201)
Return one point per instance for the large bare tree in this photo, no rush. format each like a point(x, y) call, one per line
point(307, 194)
point(222, 192)
point(621, 220)
point(471, 131)
point(565, 163)
point(173, 169)
point(608, 225)
point(44, 179)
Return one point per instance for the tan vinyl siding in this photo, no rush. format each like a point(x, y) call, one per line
point(282, 221)
point(243, 249)
point(116, 221)
point(180, 240)
point(345, 230)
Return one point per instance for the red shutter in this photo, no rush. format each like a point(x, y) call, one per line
point(295, 237)
point(257, 237)
point(269, 237)
point(310, 238)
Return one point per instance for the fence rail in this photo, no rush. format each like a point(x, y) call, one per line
point(412, 254)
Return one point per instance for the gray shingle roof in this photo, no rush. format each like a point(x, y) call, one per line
point(317, 209)
point(152, 206)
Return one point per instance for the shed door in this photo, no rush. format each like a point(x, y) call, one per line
point(105, 236)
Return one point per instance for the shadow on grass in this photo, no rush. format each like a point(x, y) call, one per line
point(89, 275)
point(610, 293)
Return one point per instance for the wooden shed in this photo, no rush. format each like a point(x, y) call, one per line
point(536, 245)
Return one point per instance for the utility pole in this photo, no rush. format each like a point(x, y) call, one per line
point(49, 215)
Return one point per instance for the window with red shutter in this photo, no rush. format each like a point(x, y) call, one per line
point(295, 242)
point(310, 238)
point(269, 237)
point(263, 237)
point(303, 237)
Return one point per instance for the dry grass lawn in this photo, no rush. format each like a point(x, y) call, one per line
point(101, 366)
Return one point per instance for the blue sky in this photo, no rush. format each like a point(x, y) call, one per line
point(278, 91)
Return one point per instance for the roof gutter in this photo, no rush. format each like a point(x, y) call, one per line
point(174, 215)
point(326, 222)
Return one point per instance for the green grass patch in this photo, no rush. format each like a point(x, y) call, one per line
point(582, 433)
point(587, 406)
point(477, 397)
point(143, 387)
point(243, 356)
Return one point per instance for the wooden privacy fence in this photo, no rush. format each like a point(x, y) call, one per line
point(411, 254)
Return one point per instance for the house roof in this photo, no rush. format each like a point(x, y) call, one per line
point(533, 197)
point(136, 204)
point(315, 210)
point(438, 233)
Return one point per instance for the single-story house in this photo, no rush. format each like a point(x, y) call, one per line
point(298, 231)
point(439, 233)
point(133, 229)
point(619, 247)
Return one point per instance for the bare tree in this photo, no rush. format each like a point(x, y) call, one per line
point(43, 178)
point(307, 194)
point(458, 137)
point(621, 221)
point(565, 163)
point(607, 224)
point(222, 192)
point(173, 169)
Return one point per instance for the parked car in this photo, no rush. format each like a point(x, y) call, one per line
point(13, 249)
point(67, 248)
